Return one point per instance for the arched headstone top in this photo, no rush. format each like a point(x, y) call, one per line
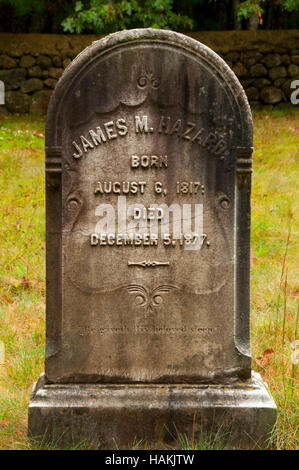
point(128, 67)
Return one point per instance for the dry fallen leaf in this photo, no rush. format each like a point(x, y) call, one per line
point(264, 359)
point(25, 283)
point(295, 292)
point(36, 134)
point(7, 300)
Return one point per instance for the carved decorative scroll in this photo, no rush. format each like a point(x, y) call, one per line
point(244, 164)
point(149, 298)
point(148, 264)
point(53, 159)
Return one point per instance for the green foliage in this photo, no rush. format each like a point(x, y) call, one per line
point(254, 7)
point(290, 5)
point(105, 16)
point(23, 7)
point(248, 8)
point(33, 16)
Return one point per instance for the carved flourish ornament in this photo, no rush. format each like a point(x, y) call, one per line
point(149, 298)
point(148, 264)
point(148, 79)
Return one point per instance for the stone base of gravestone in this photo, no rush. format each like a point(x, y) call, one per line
point(242, 414)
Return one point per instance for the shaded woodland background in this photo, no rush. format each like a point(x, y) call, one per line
point(47, 16)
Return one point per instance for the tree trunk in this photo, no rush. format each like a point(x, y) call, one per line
point(235, 5)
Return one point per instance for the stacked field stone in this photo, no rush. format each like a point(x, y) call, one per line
point(29, 81)
point(266, 63)
point(265, 77)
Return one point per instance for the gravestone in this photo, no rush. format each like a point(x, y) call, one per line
point(148, 172)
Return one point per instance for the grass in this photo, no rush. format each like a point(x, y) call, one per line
point(274, 266)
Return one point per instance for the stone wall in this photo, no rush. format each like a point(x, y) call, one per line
point(266, 62)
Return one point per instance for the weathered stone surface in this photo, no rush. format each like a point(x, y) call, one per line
point(55, 73)
point(161, 97)
point(261, 82)
point(44, 62)
point(281, 50)
point(257, 55)
point(220, 41)
point(277, 72)
point(14, 53)
point(57, 61)
point(7, 62)
point(40, 101)
point(240, 48)
point(252, 93)
point(50, 82)
point(240, 70)
point(279, 82)
point(154, 414)
point(251, 57)
point(66, 62)
point(35, 71)
point(293, 70)
point(249, 61)
point(27, 61)
point(271, 95)
point(272, 60)
point(286, 88)
point(33, 84)
point(246, 82)
point(148, 175)
point(233, 56)
point(17, 102)
point(12, 78)
point(258, 70)
point(286, 59)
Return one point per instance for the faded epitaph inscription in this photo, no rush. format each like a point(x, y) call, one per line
point(148, 186)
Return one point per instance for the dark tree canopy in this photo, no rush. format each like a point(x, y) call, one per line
point(105, 16)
